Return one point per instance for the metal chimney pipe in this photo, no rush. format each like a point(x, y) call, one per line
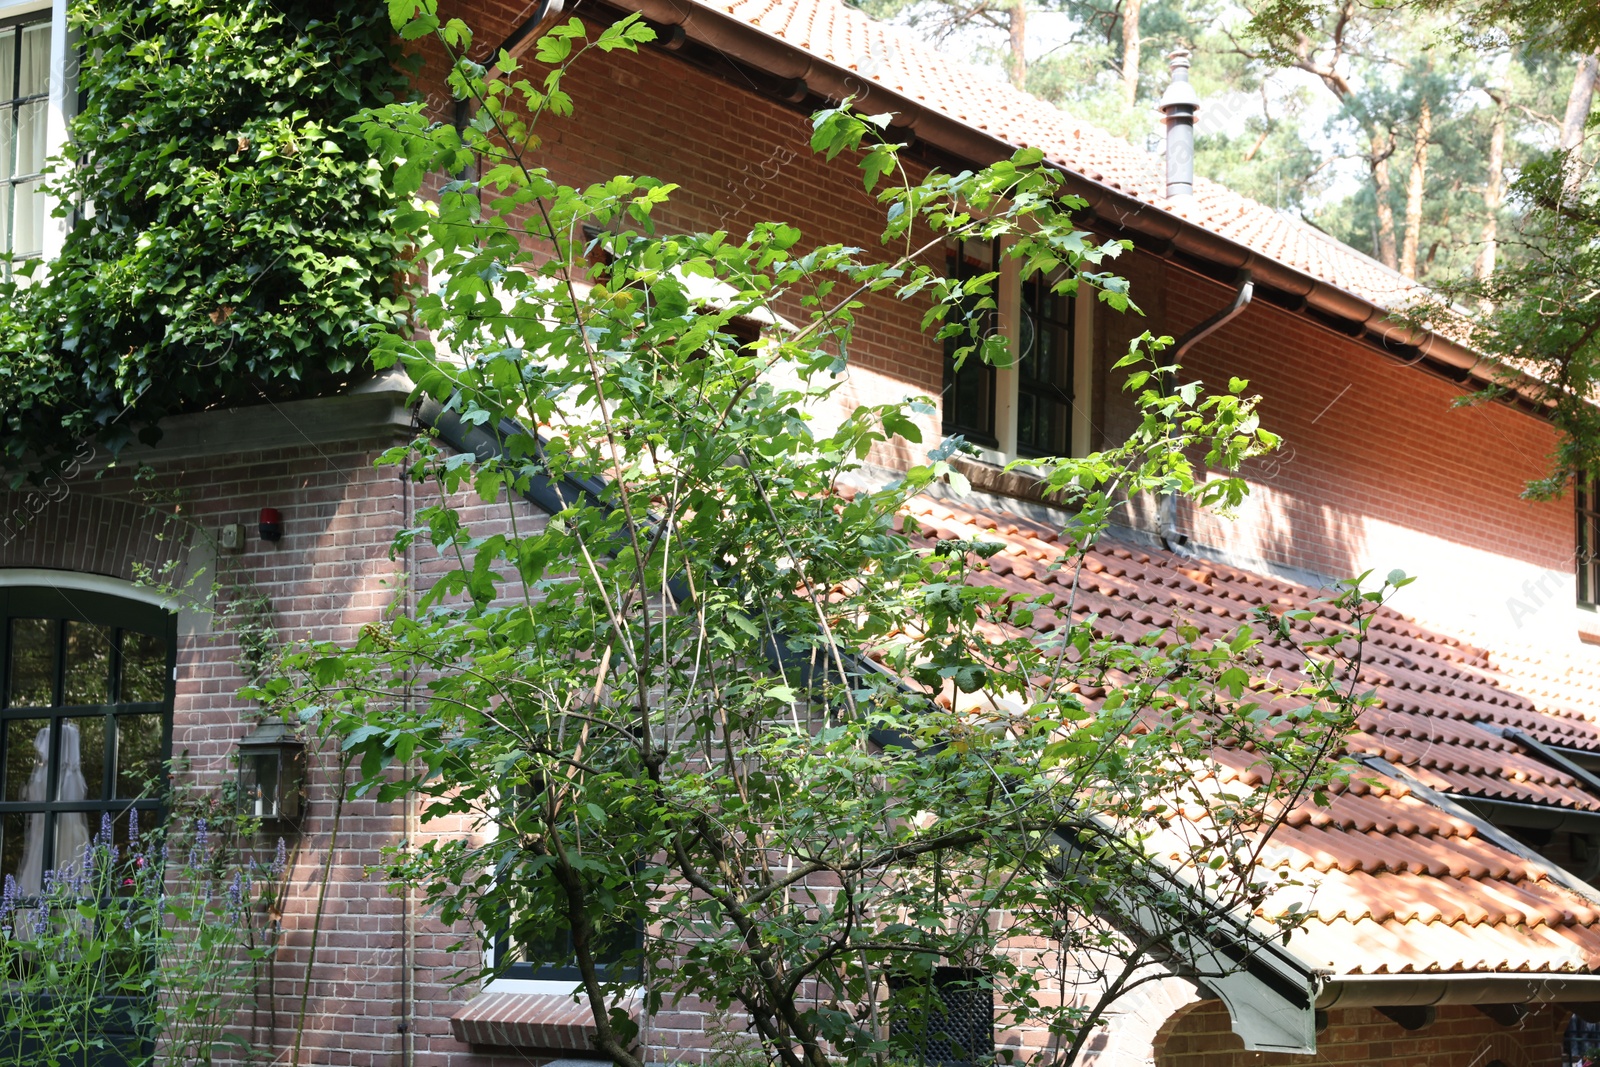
point(1179, 104)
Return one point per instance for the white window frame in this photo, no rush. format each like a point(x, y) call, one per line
point(63, 98)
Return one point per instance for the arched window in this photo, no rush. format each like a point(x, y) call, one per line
point(86, 684)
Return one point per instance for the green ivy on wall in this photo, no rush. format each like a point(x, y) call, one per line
point(229, 241)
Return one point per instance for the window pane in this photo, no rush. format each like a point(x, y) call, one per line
point(33, 663)
point(23, 856)
point(8, 62)
point(968, 399)
point(27, 211)
point(82, 775)
point(144, 667)
point(138, 754)
point(32, 128)
point(35, 59)
point(88, 678)
point(146, 817)
point(27, 759)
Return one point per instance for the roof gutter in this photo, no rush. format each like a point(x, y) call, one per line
point(1423, 990)
point(738, 40)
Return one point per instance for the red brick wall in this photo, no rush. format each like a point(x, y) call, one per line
point(1379, 469)
point(1460, 1037)
point(330, 574)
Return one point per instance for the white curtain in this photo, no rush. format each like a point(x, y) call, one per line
point(27, 237)
point(23, 132)
point(72, 827)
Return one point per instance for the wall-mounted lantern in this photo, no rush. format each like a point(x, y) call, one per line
point(272, 776)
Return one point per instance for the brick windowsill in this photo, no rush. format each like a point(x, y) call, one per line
point(543, 1022)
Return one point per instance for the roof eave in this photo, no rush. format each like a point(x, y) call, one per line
point(1358, 316)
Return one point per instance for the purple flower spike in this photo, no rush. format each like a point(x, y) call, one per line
point(280, 859)
point(235, 896)
point(103, 838)
point(133, 828)
point(201, 834)
point(8, 898)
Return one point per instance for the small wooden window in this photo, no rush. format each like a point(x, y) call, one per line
point(969, 392)
point(1045, 370)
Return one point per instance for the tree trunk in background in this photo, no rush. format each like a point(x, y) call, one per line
point(1415, 184)
point(1494, 190)
point(1382, 149)
point(1019, 40)
point(1577, 116)
point(1131, 43)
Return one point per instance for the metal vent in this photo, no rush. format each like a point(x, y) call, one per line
point(949, 1025)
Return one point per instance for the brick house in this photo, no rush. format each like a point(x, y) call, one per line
point(1454, 920)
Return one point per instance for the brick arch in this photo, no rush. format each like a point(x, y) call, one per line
point(70, 526)
point(1504, 1050)
point(1141, 1023)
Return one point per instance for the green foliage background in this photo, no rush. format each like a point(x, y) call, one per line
point(228, 240)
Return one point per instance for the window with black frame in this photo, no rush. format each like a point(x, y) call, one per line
point(1045, 370)
point(86, 723)
point(549, 956)
point(969, 392)
point(24, 130)
point(541, 949)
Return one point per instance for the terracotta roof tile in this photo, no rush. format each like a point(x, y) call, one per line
point(1393, 884)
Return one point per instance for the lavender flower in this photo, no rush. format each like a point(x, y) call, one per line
point(280, 860)
point(103, 838)
point(8, 899)
point(133, 828)
point(235, 896)
point(82, 869)
point(202, 835)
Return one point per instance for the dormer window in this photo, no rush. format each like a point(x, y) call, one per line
point(969, 392)
point(1036, 406)
point(1045, 370)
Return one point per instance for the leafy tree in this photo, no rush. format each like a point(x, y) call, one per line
point(729, 694)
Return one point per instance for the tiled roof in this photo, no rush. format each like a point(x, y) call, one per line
point(898, 61)
point(1393, 882)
